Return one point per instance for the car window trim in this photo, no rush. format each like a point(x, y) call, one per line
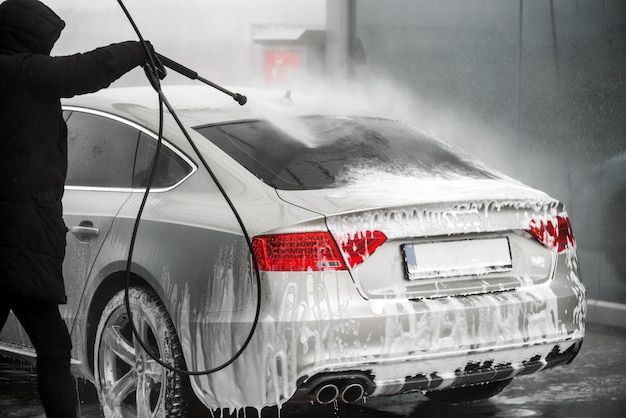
point(141, 129)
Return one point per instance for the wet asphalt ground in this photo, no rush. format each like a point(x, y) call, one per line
point(594, 385)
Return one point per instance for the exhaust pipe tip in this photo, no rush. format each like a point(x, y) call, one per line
point(327, 394)
point(352, 393)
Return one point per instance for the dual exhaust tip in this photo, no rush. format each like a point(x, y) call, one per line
point(330, 392)
point(327, 388)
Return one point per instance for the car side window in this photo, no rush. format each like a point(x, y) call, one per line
point(101, 151)
point(171, 167)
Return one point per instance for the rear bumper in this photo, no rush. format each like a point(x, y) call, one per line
point(450, 371)
point(394, 346)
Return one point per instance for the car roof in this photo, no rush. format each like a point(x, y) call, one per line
point(195, 105)
point(199, 105)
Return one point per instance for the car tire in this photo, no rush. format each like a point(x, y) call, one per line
point(468, 394)
point(127, 378)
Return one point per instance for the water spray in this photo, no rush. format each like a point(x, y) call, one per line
point(155, 72)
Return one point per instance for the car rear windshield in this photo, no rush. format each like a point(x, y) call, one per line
point(320, 152)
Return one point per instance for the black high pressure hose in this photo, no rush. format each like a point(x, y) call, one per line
point(152, 72)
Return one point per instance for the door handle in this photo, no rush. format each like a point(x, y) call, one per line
point(84, 230)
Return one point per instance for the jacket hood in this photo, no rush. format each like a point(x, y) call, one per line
point(28, 26)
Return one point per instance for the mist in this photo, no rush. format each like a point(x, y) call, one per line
point(212, 37)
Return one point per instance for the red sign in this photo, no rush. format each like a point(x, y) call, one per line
point(282, 66)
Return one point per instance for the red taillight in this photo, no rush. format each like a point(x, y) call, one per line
point(361, 245)
point(554, 233)
point(313, 251)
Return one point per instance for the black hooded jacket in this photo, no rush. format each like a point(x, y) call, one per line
point(33, 140)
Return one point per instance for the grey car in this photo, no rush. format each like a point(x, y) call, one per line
point(375, 260)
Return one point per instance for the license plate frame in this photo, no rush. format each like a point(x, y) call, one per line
point(453, 258)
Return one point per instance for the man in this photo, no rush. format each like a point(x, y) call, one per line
point(33, 165)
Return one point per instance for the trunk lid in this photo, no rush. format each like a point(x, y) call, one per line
point(445, 237)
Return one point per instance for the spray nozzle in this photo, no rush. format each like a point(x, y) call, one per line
point(240, 98)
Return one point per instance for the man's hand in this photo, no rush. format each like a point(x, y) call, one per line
point(153, 67)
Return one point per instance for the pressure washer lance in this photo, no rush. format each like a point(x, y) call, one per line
point(181, 69)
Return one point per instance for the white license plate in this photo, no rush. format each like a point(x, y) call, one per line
point(457, 258)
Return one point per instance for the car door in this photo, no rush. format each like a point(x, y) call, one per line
point(101, 155)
